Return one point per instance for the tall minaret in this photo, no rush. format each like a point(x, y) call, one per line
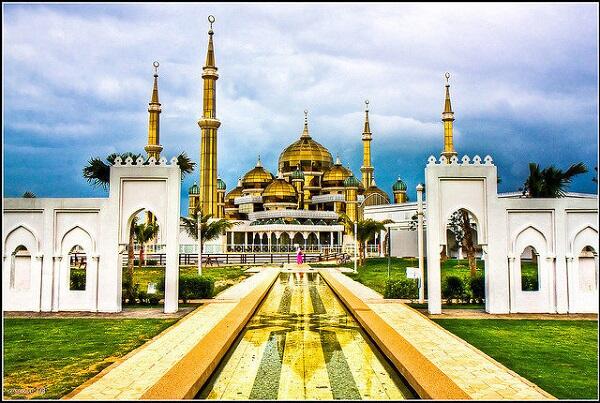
point(366, 168)
point(209, 125)
point(448, 119)
point(153, 148)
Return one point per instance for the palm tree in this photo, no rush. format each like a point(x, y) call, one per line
point(209, 229)
point(29, 195)
point(550, 182)
point(130, 257)
point(365, 231)
point(144, 233)
point(97, 171)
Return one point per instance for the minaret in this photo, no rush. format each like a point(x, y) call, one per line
point(209, 125)
point(366, 168)
point(153, 148)
point(448, 119)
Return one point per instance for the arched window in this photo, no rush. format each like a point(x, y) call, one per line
point(77, 268)
point(588, 269)
point(20, 276)
point(530, 272)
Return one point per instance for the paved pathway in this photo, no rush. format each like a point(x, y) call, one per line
point(126, 313)
point(139, 370)
point(477, 374)
point(479, 314)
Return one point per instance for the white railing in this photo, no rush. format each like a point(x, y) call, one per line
point(284, 248)
point(288, 228)
point(327, 198)
point(324, 215)
point(247, 199)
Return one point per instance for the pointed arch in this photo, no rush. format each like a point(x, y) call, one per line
point(529, 228)
point(588, 234)
point(76, 227)
point(27, 229)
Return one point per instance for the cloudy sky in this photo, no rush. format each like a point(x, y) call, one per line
point(77, 81)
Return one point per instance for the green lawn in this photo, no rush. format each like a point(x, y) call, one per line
point(560, 356)
point(60, 354)
point(224, 276)
point(374, 272)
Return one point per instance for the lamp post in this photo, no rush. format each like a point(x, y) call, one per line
point(355, 246)
point(199, 219)
point(420, 243)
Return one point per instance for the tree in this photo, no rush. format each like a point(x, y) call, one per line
point(365, 231)
point(130, 257)
point(144, 233)
point(461, 226)
point(29, 195)
point(97, 173)
point(550, 182)
point(210, 228)
point(595, 178)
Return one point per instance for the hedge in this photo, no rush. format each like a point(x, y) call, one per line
point(401, 289)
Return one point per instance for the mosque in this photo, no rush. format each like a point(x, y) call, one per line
point(302, 203)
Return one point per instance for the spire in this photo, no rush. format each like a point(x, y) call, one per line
point(153, 148)
point(448, 119)
point(447, 104)
point(239, 183)
point(366, 169)
point(210, 54)
point(305, 131)
point(258, 163)
point(367, 130)
point(337, 160)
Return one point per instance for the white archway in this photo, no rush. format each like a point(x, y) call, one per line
point(582, 270)
point(66, 298)
point(21, 270)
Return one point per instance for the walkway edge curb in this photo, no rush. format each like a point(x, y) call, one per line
point(421, 374)
point(186, 378)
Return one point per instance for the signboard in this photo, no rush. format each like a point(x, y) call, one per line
point(412, 272)
point(151, 288)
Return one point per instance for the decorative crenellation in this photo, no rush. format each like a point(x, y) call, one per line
point(465, 160)
point(140, 161)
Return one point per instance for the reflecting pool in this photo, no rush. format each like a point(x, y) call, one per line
point(303, 344)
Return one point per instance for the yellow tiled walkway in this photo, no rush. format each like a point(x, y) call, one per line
point(477, 374)
point(130, 379)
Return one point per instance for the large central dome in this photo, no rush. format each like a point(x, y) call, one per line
point(310, 155)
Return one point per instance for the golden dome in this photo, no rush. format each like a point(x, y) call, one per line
point(236, 192)
point(336, 176)
point(373, 189)
point(311, 155)
point(279, 190)
point(257, 177)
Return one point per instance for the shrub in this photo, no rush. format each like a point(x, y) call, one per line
point(401, 289)
point(529, 282)
point(151, 262)
point(77, 280)
point(154, 299)
point(477, 286)
point(453, 288)
point(195, 286)
point(143, 297)
point(192, 286)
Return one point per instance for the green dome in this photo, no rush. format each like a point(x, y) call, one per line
point(221, 184)
point(351, 181)
point(194, 189)
point(298, 173)
point(399, 185)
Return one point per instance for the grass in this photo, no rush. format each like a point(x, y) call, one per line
point(560, 356)
point(374, 272)
point(224, 276)
point(57, 355)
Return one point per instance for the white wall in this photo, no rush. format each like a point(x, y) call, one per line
point(557, 228)
point(50, 227)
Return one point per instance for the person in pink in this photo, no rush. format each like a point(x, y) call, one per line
point(299, 257)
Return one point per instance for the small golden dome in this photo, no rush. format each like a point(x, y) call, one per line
point(236, 192)
point(257, 177)
point(373, 189)
point(311, 155)
point(280, 191)
point(336, 176)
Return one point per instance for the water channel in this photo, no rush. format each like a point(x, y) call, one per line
point(303, 344)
